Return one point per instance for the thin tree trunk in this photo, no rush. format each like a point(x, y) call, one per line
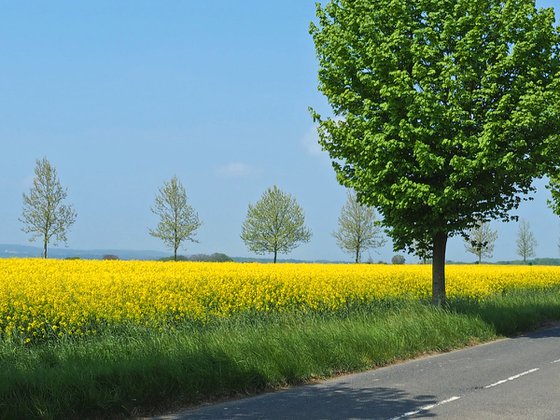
point(175, 253)
point(275, 252)
point(438, 269)
point(45, 244)
point(357, 255)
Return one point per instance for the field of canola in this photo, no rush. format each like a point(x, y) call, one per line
point(53, 298)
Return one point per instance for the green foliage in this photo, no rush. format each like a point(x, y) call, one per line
point(44, 213)
point(275, 224)
point(127, 373)
point(143, 369)
point(178, 220)
point(554, 187)
point(515, 311)
point(444, 112)
point(215, 257)
point(357, 228)
point(423, 250)
point(173, 258)
point(534, 261)
point(398, 259)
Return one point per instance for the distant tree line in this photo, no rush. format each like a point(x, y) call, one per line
point(275, 224)
point(215, 257)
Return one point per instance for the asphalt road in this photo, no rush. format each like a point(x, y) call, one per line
point(516, 378)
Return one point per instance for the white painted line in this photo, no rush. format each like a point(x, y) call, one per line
point(556, 361)
point(511, 378)
point(425, 408)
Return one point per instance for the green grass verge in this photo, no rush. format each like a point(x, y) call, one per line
point(129, 371)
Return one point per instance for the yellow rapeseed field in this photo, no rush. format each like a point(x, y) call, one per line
point(50, 298)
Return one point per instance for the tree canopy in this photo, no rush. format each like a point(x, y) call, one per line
point(444, 111)
point(44, 213)
point(178, 221)
point(554, 187)
point(275, 224)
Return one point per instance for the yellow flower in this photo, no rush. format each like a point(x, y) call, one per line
point(85, 297)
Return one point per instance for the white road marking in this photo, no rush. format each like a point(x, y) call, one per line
point(425, 408)
point(556, 361)
point(511, 378)
point(430, 406)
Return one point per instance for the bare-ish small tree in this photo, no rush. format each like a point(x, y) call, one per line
point(44, 213)
point(526, 241)
point(358, 229)
point(480, 240)
point(178, 220)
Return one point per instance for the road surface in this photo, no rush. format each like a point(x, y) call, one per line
point(516, 378)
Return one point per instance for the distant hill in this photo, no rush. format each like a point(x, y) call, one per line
point(268, 260)
point(25, 251)
point(535, 261)
point(286, 261)
point(28, 251)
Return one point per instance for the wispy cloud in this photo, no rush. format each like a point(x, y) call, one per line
point(235, 170)
point(27, 182)
point(310, 142)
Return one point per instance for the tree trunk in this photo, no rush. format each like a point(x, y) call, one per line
point(45, 244)
point(357, 255)
point(275, 252)
point(438, 269)
point(175, 254)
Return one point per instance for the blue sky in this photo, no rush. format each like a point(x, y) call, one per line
point(121, 96)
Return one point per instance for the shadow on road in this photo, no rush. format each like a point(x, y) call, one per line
point(317, 402)
point(547, 331)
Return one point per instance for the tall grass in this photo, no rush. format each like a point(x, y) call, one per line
point(514, 311)
point(129, 371)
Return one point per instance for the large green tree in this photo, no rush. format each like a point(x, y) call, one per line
point(178, 221)
point(45, 215)
point(275, 224)
point(444, 110)
point(554, 187)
